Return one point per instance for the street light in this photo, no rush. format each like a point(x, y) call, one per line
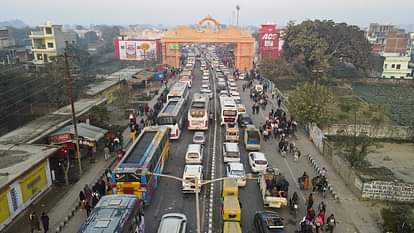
point(198, 184)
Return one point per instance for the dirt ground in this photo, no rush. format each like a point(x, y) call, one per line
point(397, 157)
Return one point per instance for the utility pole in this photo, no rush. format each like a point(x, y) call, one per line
point(68, 78)
point(237, 9)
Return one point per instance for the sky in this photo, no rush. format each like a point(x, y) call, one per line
point(183, 12)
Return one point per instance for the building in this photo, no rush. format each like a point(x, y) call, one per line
point(397, 42)
point(50, 42)
point(396, 66)
point(6, 38)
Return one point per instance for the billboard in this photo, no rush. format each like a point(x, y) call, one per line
point(136, 50)
point(34, 182)
point(268, 41)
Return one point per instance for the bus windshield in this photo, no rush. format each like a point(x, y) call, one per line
point(229, 113)
point(127, 177)
point(198, 104)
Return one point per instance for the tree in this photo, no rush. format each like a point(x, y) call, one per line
point(357, 143)
point(399, 219)
point(320, 45)
point(276, 68)
point(91, 37)
point(310, 103)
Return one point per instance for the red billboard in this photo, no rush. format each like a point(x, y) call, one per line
point(268, 41)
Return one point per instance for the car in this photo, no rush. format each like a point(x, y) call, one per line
point(199, 137)
point(205, 86)
point(236, 170)
point(233, 89)
point(244, 119)
point(173, 223)
point(234, 93)
point(224, 93)
point(237, 99)
point(207, 92)
point(232, 84)
point(268, 222)
point(205, 77)
point(258, 161)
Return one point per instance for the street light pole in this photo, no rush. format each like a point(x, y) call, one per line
point(197, 193)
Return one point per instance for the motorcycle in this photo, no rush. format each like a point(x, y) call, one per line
point(294, 206)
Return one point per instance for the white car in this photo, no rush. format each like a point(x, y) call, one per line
point(237, 99)
point(207, 92)
point(205, 77)
point(199, 137)
point(257, 161)
point(205, 86)
point(236, 170)
point(224, 93)
point(233, 89)
point(235, 93)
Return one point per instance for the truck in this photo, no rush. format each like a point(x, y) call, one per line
point(252, 138)
point(274, 188)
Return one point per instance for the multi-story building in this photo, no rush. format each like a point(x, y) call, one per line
point(50, 42)
point(396, 65)
point(6, 38)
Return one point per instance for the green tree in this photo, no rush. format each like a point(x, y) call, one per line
point(320, 45)
point(357, 142)
point(399, 218)
point(310, 103)
point(276, 68)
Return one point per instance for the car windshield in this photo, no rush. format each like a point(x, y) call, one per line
point(260, 162)
point(199, 138)
point(237, 172)
point(192, 155)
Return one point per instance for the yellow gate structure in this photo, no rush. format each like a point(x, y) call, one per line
point(243, 41)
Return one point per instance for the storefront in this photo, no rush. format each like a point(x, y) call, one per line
point(88, 135)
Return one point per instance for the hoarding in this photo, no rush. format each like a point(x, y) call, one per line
point(4, 206)
point(268, 41)
point(137, 50)
point(34, 182)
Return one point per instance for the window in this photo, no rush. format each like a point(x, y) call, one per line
point(50, 45)
point(39, 57)
point(398, 66)
point(401, 77)
point(48, 30)
point(393, 66)
point(385, 66)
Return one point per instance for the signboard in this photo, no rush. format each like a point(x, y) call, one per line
point(268, 41)
point(136, 50)
point(61, 138)
point(173, 46)
point(33, 182)
point(4, 206)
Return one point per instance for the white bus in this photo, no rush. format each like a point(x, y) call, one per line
point(198, 113)
point(173, 116)
point(178, 91)
point(228, 110)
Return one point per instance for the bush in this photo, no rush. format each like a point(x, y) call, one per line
point(398, 219)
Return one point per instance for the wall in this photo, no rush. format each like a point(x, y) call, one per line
point(389, 132)
point(17, 196)
point(388, 190)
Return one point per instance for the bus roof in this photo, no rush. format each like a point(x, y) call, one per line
point(110, 214)
point(137, 154)
point(177, 89)
point(172, 108)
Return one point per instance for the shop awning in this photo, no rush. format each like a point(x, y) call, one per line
point(85, 131)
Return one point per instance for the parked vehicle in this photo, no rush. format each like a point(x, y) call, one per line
point(236, 170)
point(199, 138)
point(268, 222)
point(231, 152)
point(258, 162)
point(173, 223)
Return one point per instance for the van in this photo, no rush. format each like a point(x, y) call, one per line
point(194, 154)
point(231, 152)
point(191, 175)
point(173, 223)
point(232, 133)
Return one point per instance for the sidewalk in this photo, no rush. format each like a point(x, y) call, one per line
point(59, 201)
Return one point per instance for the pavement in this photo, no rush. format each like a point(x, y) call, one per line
point(61, 202)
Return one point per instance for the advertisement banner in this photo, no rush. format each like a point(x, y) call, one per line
point(33, 182)
point(268, 41)
point(135, 50)
point(4, 206)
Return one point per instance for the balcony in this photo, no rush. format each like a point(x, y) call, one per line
point(40, 34)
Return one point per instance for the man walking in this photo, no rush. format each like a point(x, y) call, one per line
point(106, 152)
point(45, 222)
point(34, 222)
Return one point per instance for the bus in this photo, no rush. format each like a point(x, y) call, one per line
point(177, 91)
point(173, 115)
point(115, 213)
point(198, 113)
point(228, 110)
point(149, 152)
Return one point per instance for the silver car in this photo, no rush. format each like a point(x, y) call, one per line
point(199, 137)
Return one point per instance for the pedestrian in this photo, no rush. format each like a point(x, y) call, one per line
point(106, 152)
point(34, 222)
point(310, 201)
point(95, 198)
point(108, 175)
point(323, 172)
point(82, 196)
point(331, 223)
point(88, 193)
point(45, 222)
point(322, 207)
point(314, 182)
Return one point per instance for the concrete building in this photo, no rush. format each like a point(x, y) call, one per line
point(6, 38)
point(396, 65)
point(50, 42)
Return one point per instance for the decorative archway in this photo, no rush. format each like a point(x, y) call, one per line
point(243, 41)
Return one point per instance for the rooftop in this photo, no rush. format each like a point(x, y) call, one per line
point(42, 126)
point(16, 159)
point(109, 81)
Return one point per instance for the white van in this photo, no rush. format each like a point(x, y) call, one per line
point(231, 152)
point(194, 154)
point(192, 173)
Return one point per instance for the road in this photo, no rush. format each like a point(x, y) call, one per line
point(169, 198)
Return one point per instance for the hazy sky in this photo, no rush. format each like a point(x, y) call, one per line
point(173, 12)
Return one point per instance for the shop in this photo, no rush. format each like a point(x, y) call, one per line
point(88, 135)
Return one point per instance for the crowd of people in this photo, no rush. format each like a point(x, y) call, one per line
point(89, 197)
